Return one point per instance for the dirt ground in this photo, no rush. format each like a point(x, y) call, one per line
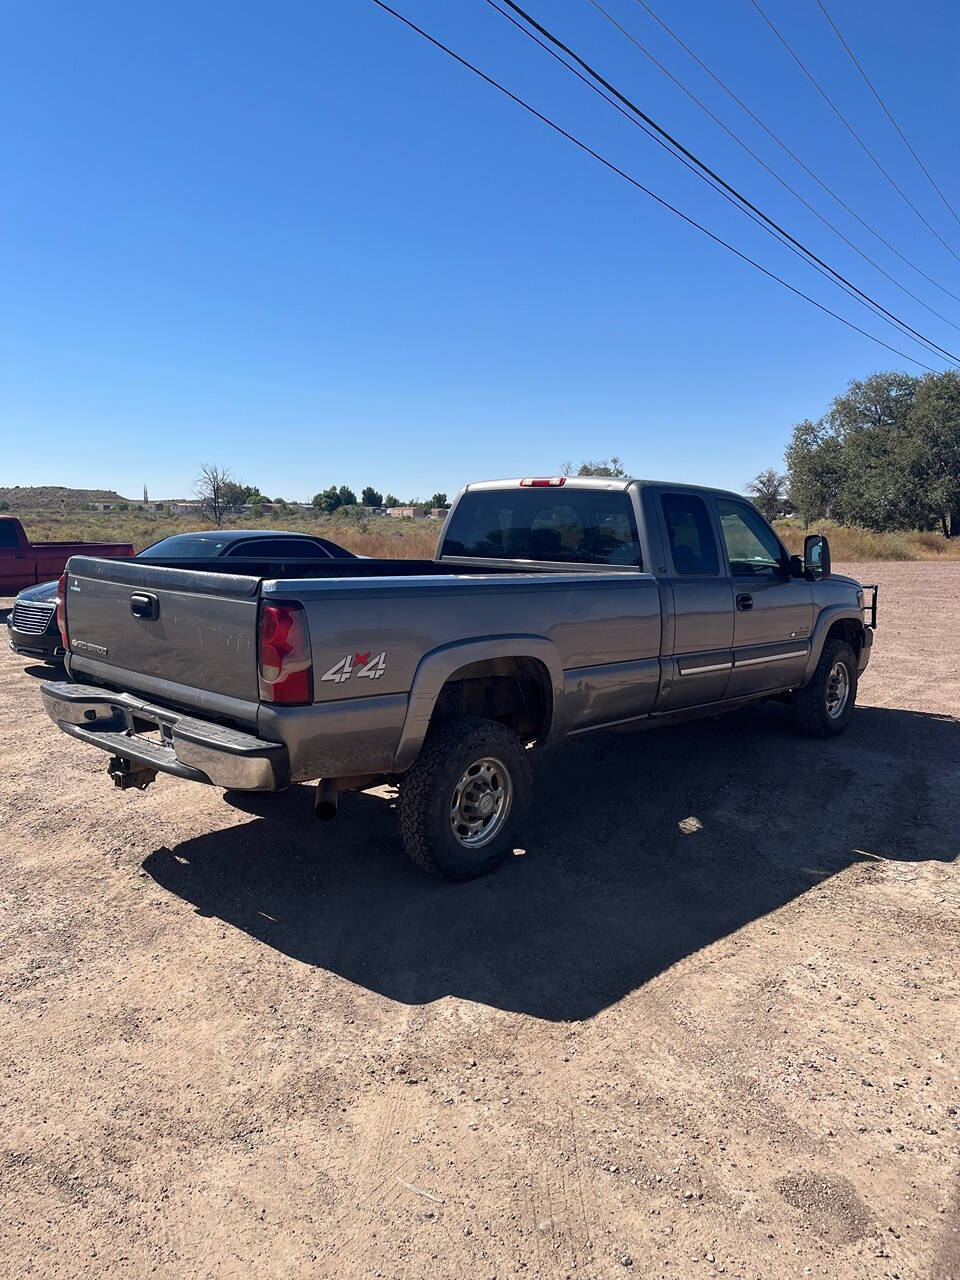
point(707, 1024)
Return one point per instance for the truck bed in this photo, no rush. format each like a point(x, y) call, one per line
point(199, 652)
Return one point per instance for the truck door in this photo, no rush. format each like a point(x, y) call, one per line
point(773, 612)
point(702, 603)
point(16, 561)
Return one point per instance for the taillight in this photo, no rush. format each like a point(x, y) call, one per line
point(286, 669)
point(543, 482)
point(62, 609)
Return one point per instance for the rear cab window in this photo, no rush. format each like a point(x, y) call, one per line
point(693, 545)
point(556, 525)
point(280, 548)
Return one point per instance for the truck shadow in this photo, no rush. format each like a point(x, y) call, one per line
point(642, 849)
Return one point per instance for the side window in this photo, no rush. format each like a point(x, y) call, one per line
point(8, 534)
point(752, 546)
point(692, 544)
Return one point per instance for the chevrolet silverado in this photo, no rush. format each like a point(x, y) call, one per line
point(553, 607)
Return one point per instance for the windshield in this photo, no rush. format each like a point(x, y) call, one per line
point(183, 546)
point(582, 526)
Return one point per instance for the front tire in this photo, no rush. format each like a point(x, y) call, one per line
point(464, 799)
point(825, 704)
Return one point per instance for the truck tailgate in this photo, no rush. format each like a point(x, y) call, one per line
point(140, 625)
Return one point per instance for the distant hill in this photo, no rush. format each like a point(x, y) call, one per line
point(54, 497)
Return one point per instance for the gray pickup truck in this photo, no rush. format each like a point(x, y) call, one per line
point(553, 607)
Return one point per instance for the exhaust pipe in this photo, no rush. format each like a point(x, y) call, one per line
point(326, 799)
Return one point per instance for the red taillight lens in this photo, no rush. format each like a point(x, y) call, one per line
point(542, 482)
point(62, 609)
point(286, 668)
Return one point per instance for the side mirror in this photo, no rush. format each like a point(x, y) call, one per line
point(816, 556)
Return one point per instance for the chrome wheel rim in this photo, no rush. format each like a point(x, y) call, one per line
point(838, 690)
point(481, 802)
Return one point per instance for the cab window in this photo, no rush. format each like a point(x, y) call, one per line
point(692, 544)
point(752, 546)
point(553, 525)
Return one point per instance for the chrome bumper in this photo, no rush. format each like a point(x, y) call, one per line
point(159, 738)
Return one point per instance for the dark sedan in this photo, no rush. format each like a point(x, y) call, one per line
point(32, 624)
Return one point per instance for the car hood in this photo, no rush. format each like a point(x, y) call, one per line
point(42, 593)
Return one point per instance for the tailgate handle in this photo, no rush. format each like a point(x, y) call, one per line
point(144, 604)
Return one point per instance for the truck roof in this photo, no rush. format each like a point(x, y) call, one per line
point(606, 482)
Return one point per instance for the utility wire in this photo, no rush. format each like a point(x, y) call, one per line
point(850, 129)
point(738, 195)
point(793, 155)
point(763, 164)
point(714, 186)
point(634, 182)
point(886, 112)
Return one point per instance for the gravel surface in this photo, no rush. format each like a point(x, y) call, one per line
point(706, 1025)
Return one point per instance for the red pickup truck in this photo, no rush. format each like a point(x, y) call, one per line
point(22, 562)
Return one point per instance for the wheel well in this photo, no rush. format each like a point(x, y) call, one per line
point(848, 629)
point(515, 692)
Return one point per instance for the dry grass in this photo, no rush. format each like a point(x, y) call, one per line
point(371, 536)
point(417, 539)
point(851, 544)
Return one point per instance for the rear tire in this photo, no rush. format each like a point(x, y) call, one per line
point(825, 704)
point(464, 799)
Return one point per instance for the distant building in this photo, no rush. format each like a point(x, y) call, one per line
point(406, 513)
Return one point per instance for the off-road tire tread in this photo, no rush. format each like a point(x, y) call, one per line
point(809, 704)
point(441, 749)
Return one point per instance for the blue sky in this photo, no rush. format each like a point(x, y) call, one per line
point(295, 240)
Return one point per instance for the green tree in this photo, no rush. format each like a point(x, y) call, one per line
point(438, 500)
point(347, 497)
point(935, 427)
point(391, 500)
point(369, 497)
point(769, 491)
point(612, 467)
point(327, 500)
point(814, 464)
point(862, 463)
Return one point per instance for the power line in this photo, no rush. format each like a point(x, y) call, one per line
point(763, 164)
point(608, 164)
point(705, 168)
point(886, 112)
point(714, 186)
point(853, 133)
point(793, 155)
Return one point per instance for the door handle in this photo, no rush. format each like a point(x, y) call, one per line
point(744, 601)
point(144, 604)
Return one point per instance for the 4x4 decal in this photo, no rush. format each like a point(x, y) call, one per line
point(359, 665)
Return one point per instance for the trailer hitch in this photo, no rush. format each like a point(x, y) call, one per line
point(127, 774)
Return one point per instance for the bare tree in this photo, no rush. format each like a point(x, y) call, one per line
point(769, 491)
point(215, 487)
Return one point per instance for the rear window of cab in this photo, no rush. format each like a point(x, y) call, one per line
point(555, 525)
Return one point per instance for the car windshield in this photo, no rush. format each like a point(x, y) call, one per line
point(186, 546)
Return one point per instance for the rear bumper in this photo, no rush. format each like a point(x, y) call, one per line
point(159, 738)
